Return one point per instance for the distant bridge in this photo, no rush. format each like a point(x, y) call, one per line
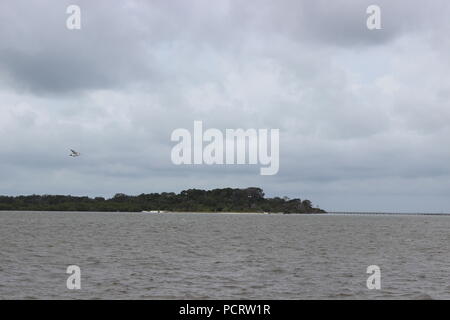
point(388, 213)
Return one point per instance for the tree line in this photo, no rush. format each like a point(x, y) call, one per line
point(192, 200)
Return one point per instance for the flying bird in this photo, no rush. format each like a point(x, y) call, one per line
point(74, 153)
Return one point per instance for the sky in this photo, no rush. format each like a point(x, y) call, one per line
point(363, 115)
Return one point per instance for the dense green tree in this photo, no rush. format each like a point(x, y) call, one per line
point(216, 200)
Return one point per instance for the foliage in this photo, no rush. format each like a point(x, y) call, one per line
point(194, 200)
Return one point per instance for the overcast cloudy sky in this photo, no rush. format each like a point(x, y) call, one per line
point(364, 116)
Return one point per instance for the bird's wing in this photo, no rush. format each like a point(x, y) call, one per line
point(73, 151)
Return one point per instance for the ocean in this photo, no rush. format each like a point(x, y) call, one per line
point(223, 256)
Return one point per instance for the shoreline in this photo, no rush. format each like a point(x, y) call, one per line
point(391, 214)
point(156, 213)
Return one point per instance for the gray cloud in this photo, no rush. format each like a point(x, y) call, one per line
point(363, 115)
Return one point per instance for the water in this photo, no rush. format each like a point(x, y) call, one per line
point(222, 256)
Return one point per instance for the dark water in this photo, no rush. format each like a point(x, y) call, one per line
point(222, 256)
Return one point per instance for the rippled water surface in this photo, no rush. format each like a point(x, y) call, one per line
point(222, 256)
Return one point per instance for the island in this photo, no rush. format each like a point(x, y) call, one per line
point(192, 200)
